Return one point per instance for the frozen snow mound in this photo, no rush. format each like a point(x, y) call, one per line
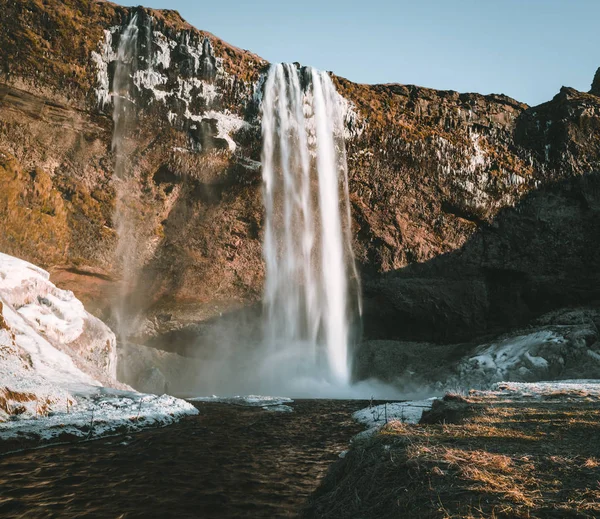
point(57, 364)
point(45, 317)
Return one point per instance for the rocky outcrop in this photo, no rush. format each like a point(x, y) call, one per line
point(561, 345)
point(535, 257)
point(596, 84)
point(198, 207)
point(472, 214)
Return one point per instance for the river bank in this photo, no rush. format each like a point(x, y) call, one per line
point(517, 451)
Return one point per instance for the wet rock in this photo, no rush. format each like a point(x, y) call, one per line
point(561, 345)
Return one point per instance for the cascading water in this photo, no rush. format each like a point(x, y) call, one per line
point(121, 95)
point(123, 115)
point(310, 268)
point(311, 287)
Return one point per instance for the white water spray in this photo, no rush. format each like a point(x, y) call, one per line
point(124, 221)
point(121, 91)
point(307, 250)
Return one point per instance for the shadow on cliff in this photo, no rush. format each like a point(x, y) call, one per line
point(542, 254)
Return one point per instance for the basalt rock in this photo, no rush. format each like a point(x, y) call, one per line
point(471, 213)
point(596, 84)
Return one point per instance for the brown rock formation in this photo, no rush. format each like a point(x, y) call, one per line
point(470, 212)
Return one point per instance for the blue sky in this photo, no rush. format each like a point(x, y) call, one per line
point(526, 49)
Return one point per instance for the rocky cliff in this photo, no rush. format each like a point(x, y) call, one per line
point(471, 213)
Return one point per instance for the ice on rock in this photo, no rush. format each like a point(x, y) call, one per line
point(47, 318)
point(162, 57)
point(521, 356)
point(102, 60)
point(55, 361)
point(151, 80)
point(406, 412)
point(197, 82)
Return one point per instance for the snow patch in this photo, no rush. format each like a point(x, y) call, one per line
point(478, 158)
point(406, 412)
point(278, 408)
point(562, 388)
point(100, 412)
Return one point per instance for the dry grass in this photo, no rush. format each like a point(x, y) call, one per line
point(485, 457)
point(10, 401)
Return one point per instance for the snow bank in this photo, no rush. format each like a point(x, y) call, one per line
point(46, 319)
point(562, 388)
point(407, 412)
point(375, 417)
point(98, 412)
point(55, 359)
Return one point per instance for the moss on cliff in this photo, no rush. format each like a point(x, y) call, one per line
point(35, 222)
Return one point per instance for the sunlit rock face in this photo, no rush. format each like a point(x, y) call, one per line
point(430, 172)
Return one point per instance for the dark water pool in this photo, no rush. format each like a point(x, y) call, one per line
point(229, 461)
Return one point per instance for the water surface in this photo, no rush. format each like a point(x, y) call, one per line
point(229, 461)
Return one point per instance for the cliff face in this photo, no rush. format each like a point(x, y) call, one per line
point(506, 191)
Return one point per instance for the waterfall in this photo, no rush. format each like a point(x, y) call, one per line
point(124, 114)
point(122, 102)
point(310, 268)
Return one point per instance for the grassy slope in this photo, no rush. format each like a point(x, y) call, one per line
point(482, 456)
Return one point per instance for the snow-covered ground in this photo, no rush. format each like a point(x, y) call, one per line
point(57, 365)
point(407, 412)
point(375, 417)
point(560, 389)
point(99, 411)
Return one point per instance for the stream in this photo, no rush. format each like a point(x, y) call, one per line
point(229, 461)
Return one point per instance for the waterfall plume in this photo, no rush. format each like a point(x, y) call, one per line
point(311, 287)
point(124, 114)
